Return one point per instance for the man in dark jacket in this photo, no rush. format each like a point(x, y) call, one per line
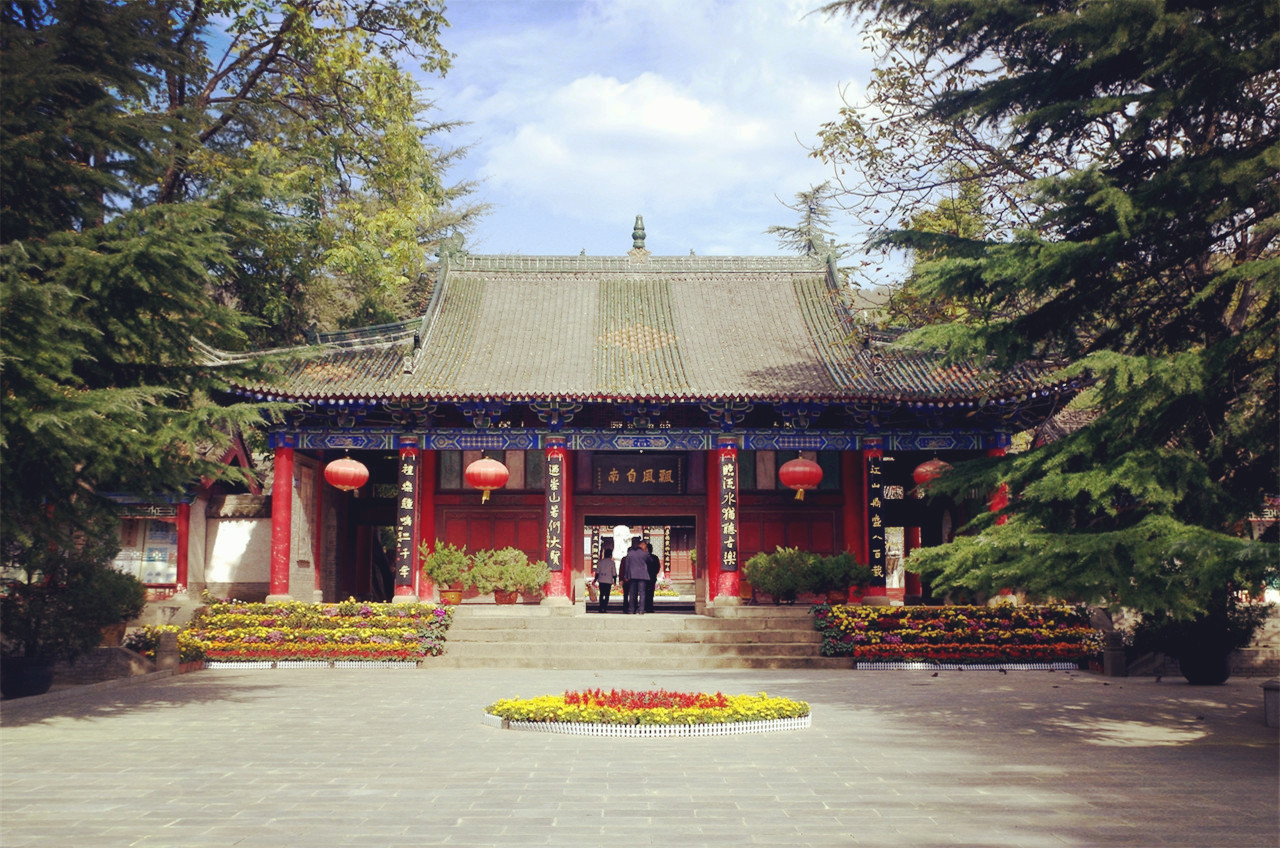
point(655, 568)
point(635, 571)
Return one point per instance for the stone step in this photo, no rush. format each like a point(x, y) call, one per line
point(655, 623)
point(639, 663)
point(606, 650)
point(529, 636)
point(641, 637)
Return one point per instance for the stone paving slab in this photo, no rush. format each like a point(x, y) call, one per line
point(331, 758)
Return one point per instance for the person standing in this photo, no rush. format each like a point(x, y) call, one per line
point(606, 574)
point(635, 571)
point(655, 568)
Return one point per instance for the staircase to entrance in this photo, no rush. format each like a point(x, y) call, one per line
point(549, 637)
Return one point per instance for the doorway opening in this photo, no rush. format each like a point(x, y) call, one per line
point(674, 542)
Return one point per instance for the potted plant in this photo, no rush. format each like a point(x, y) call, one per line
point(447, 567)
point(62, 592)
point(782, 574)
point(505, 573)
point(833, 576)
point(1203, 645)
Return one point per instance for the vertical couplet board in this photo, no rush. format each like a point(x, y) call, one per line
point(727, 582)
point(554, 518)
point(875, 516)
point(406, 502)
point(728, 509)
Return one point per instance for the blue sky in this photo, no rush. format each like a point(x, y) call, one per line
point(694, 113)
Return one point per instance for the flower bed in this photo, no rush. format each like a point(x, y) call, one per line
point(1055, 633)
point(145, 640)
point(350, 630)
point(649, 713)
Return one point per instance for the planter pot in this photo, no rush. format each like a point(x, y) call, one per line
point(450, 597)
point(502, 596)
point(113, 635)
point(21, 677)
point(1205, 668)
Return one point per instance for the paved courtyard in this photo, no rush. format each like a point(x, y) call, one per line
point(319, 758)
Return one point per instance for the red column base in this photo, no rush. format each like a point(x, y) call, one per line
point(727, 588)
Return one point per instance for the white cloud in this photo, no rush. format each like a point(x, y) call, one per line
point(692, 112)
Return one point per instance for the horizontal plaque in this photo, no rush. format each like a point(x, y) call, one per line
point(637, 473)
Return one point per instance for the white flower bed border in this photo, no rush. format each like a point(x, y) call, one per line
point(390, 664)
point(575, 728)
point(926, 665)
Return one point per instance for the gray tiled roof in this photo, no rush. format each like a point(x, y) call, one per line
point(671, 328)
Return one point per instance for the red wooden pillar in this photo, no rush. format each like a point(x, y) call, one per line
point(406, 518)
point(426, 519)
point(281, 522)
point(713, 525)
point(184, 544)
point(558, 521)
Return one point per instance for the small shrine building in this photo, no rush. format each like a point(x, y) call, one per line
point(663, 393)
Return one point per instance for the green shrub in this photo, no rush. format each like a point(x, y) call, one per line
point(507, 570)
point(783, 574)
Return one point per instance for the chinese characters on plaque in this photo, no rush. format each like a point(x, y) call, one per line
point(875, 516)
point(637, 474)
point(406, 497)
point(554, 509)
point(728, 509)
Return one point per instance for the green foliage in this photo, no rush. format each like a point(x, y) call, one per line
point(783, 574)
point(316, 144)
point(811, 235)
point(836, 573)
point(103, 298)
point(445, 565)
point(1138, 140)
point(508, 570)
point(1228, 625)
point(58, 592)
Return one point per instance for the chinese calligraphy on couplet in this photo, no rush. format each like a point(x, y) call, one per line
point(875, 515)
point(728, 509)
point(406, 498)
point(554, 518)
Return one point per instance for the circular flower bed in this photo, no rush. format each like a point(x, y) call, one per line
point(627, 712)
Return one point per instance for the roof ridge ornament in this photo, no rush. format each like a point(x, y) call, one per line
point(638, 253)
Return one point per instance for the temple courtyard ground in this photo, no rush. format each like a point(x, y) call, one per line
point(316, 758)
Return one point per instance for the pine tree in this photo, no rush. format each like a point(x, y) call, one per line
point(1151, 263)
point(105, 316)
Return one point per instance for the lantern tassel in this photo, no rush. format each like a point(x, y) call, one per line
point(485, 497)
point(799, 494)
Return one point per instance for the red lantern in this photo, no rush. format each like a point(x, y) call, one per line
point(346, 474)
point(486, 474)
point(800, 474)
point(927, 472)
